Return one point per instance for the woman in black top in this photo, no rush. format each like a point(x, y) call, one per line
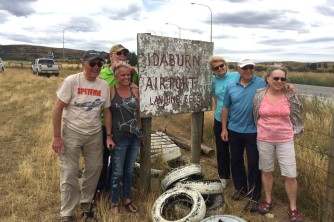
point(126, 134)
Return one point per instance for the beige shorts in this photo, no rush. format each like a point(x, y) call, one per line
point(285, 155)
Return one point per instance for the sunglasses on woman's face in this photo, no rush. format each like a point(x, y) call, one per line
point(217, 67)
point(279, 78)
point(93, 64)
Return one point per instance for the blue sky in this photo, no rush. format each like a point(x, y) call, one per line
point(265, 30)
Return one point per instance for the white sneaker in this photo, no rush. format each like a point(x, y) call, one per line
point(224, 182)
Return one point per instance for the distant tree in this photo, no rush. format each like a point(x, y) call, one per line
point(132, 57)
point(231, 66)
point(260, 68)
point(319, 65)
point(313, 66)
point(325, 66)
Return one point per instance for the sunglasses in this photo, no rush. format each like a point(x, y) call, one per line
point(220, 66)
point(122, 52)
point(93, 63)
point(279, 78)
point(248, 67)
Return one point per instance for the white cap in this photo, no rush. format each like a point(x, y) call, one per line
point(244, 62)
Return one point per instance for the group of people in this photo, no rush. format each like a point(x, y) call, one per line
point(261, 116)
point(97, 116)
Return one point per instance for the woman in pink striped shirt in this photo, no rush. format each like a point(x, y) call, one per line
point(278, 117)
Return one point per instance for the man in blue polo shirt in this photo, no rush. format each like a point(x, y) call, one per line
point(241, 133)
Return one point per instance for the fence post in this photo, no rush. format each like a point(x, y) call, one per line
point(196, 136)
point(328, 210)
point(145, 156)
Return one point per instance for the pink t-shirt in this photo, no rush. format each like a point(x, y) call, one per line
point(274, 124)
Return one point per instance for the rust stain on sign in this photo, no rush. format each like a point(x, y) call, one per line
point(175, 76)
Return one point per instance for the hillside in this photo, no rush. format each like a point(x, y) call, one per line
point(31, 52)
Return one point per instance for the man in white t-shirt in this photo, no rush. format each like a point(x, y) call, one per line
point(80, 99)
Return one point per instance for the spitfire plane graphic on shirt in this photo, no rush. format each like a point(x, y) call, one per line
point(89, 105)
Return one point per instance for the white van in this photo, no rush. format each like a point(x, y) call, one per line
point(2, 66)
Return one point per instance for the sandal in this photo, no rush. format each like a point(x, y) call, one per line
point(294, 216)
point(115, 208)
point(264, 207)
point(131, 207)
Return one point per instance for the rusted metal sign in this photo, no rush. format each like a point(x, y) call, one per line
point(175, 76)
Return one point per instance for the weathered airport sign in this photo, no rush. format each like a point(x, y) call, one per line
point(175, 76)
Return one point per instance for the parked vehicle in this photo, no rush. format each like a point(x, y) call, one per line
point(2, 66)
point(45, 66)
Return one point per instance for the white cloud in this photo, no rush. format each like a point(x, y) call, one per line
point(270, 30)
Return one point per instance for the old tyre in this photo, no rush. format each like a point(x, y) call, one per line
point(213, 202)
point(189, 171)
point(163, 209)
point(203, 186)
point(168, 153)
point(225, 218)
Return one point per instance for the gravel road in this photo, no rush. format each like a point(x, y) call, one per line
point(319, 91)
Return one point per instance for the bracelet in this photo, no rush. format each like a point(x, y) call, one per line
point(109, 135)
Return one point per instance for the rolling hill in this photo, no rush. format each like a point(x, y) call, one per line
point(31, 52)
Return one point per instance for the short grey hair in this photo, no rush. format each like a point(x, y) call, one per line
point(272, 68)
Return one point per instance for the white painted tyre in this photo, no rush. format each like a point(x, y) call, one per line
point(203, 186)
point(225, 218)
point(168, 153)
point(192, 170)
point(163, 207)
point(213, 202)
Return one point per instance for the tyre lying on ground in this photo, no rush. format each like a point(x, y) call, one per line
point(190, 171)
point(211, 190)
point(225, 218)
point(163, 147)
point(203, 186)
point(213, 202)
point(164, 208)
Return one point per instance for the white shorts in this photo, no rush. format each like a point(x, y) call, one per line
point(285, 154)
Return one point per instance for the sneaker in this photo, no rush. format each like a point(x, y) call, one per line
point(67, 219)
point(294, 216)
point(224, 182)
point(238, 195)
point(251, 205)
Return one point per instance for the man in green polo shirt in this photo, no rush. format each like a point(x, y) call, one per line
point(118, 53)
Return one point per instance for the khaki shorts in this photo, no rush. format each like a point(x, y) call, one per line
point(285, 155)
